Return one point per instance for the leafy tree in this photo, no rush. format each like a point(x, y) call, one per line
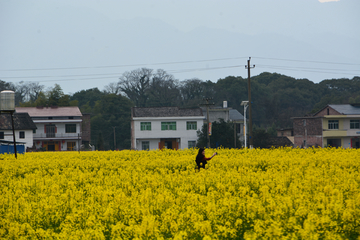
point(112, 111)
point(54, 95)
point(100, 143)
point(5, 86)
point(222, 135)
point(87, 99)
point(261, 138)
point(231, 89)
point(41, 100)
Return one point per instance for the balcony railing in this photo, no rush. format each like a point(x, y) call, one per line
point(57, 135)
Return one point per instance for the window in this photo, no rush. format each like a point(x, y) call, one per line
point(191, 144)
point(168, 126)
point(21, 134)
point(334, 142)
point(50, 130)
point(70, 128)
point(333, 124)
point(71, 146)
point(145, 126)
point(191, 125)
point(354, 124)
point(145, 145)
point(1, 135)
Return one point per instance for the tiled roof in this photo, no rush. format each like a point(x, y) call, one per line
point(346, 109)
point(50, 111)
point(165, 112)
point(22, 121)
point(235, 115)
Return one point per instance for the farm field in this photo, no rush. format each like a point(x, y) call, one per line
point(280, 193)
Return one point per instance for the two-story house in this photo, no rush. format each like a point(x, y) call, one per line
point(23, 128)
point(165, 127)
point(336, 125)
point(58, 128)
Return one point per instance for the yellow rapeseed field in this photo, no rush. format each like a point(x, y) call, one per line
point(281, 193)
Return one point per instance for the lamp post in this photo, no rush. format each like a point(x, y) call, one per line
point(245, 104)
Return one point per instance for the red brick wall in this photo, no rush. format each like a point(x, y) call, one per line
point(311, 131)
point(86, 128)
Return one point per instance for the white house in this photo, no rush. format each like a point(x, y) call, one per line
point(23, 128)
point(58, 128)
point(165, 127)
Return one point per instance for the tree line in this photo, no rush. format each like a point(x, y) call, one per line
point(276, 99)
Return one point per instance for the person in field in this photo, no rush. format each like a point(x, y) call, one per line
point(201, 160)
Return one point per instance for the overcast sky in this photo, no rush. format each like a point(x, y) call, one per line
point(82, 44)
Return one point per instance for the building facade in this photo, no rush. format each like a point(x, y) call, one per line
point(336, 125)
point(58, 128)
point(165, 127)
point(23, 128)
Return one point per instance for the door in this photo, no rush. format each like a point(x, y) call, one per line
point(168, 143)
point(51, 146)
point(334, 142)
point(355, 142)
point(50, 131)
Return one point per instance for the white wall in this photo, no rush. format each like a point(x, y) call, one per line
point(60, 134)
point(156, 133)
point(8, 136)
point(60, 130)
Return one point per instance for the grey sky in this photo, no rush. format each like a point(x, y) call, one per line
point(87, 43)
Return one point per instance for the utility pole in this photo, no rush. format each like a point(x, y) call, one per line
point(249, 94)
point(114, 139)
point(207, 117)
point(234, 134)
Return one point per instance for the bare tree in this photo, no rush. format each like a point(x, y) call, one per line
point(164, 90)
point(193, 91)
point(135, 85)
point(112, 88)
point(27, 91)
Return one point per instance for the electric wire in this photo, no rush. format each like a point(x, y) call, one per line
point(94, 76)
point(307, 61)
point(129, 65)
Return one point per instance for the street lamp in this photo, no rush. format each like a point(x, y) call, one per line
point(245, 104)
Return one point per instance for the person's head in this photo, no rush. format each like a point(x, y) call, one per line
point(201, 151)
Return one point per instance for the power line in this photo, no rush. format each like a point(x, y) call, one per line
point(169, 63)
point(307, 61)
point(129, 65)
point(307, 69)
point(112, 75)
point(94, 76)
